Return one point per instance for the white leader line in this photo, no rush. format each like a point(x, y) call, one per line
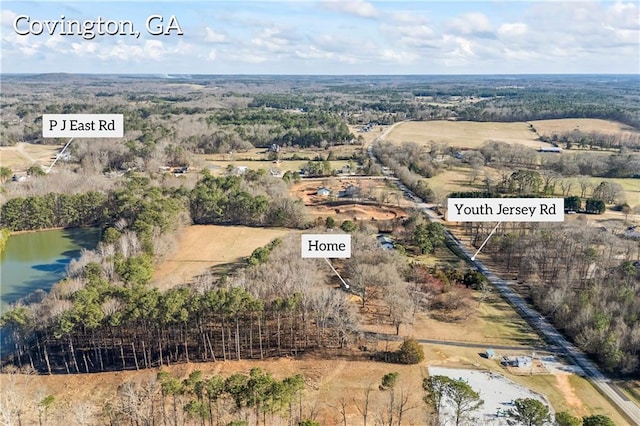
point(59, 155)
point(485, 241)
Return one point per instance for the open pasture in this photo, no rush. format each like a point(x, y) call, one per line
point(201, 247)
point(586, 125)
point(23, 155)
point(464, 134)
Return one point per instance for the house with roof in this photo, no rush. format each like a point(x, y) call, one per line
point(323, 192)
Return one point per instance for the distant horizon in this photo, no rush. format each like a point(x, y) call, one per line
point(170, 75)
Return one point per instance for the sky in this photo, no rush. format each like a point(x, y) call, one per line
point(322, 37)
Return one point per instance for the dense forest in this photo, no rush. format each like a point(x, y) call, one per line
point(579, 281)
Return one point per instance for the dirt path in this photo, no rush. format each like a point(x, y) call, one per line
point(564, 386)
point(24, 154)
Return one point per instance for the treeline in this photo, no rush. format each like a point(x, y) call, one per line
point(144, 205)
point(407, 168)
point(282, 101)
point(229, 200)
point(54, 210)
point(4, 237)
point(546, 103)
point(256, 397)
point(581, 277)
point(282, 127)
point(104, 317)
point(582, 140)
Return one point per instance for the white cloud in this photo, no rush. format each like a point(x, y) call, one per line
point(398, 57)
point(212, 55)
point(29, 50)
point(54, 41)
point(84, 49)
point(471, 23)
point(407, 17)
point(273, 40)
point(512, 29)
point(313, 52)
point(212, 36)
point(460, 46)
point(360, 8)
point(7, 17)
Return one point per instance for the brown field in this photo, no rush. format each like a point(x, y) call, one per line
point(201, 247)
point(23, 155)
point(327, 381)
point(456, 179)
point(464, 134)
point(587, 125)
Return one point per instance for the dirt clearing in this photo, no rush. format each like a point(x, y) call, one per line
point(201, 247)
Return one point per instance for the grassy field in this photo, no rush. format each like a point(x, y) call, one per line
point(456, 179)
point(23, 155)
point(631, 188)
point(587, 125)
point(464, 134)
point(201, 247)
point(491, 320)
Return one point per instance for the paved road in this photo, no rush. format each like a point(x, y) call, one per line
point(589, 370)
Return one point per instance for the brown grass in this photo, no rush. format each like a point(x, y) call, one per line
point(23, 155)
point(464, 134)
point(327, 381)
point(201, 247)
point(587, 125)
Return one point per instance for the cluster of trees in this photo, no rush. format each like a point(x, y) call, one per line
point(592, 140)
point(414, 181)
point(54, 210)
point(282, 127)
point(376, 274)
point(426, 236)
point(145, 206)
point(224, 200)
point(619, 165)
point(584, 279)
point(543, 103)
point(442, 390)
point(414, 157)
point(104, 317)
point(256, 398)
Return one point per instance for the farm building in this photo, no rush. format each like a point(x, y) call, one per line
point(323, 192)
point(553, 149)
point(350, 191)
point(385, 242)
point(523, 361)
